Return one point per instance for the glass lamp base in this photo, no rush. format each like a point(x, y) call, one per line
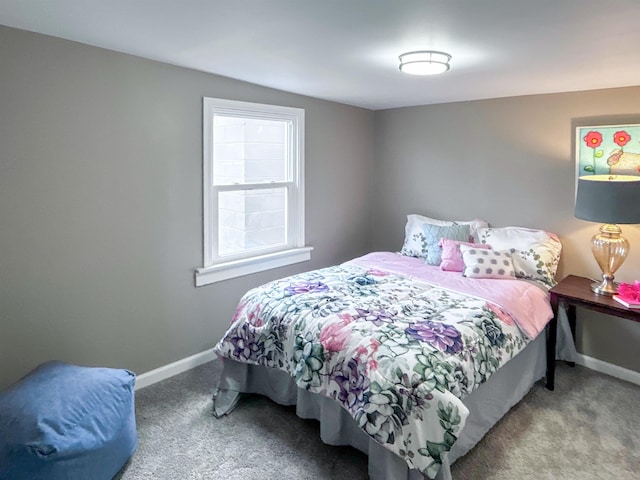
point(610, 250)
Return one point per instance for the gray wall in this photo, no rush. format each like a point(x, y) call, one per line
point(101, 197)
point(101, 204)
point(511, 162)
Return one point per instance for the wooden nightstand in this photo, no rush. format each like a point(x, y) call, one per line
point(574, 292)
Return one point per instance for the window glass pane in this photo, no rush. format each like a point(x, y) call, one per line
point(249, 150)
point(251, 220)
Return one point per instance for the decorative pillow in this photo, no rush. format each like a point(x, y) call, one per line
point(414, 232)
point(452, 256)
point(535, 253)
point(434, 233)
point(485, 263)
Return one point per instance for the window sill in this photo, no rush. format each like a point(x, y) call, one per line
point(247, 266)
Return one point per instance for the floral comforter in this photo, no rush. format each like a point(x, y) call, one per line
point(397, 352)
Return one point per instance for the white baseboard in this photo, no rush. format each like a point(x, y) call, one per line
point(608, 368)
point(167, 371)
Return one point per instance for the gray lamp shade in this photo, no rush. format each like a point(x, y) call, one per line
point(608, 199)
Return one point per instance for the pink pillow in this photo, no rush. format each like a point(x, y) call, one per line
point(451, 255)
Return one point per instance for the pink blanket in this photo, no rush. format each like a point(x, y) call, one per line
point(527, 304)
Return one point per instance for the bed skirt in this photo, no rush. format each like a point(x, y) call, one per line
point(487, 404)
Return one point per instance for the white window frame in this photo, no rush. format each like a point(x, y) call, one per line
point(218, 268)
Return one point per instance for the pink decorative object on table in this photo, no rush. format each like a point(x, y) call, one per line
point(628, 294)
point(630, 291)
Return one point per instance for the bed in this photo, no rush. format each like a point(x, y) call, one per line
point(408, 361)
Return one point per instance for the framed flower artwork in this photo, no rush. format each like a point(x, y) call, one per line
point(608, 150)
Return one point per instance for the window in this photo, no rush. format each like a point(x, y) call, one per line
point(253, 170)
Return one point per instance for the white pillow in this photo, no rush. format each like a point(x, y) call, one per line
point(535, 253)
point(485, 263)
point(414, 238)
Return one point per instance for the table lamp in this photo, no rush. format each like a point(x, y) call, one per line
point(608, 199)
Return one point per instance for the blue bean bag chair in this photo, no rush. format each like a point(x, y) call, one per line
point(66, 422)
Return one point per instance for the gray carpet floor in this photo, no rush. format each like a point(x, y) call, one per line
point(588, 428)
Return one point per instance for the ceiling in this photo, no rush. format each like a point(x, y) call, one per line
point(347, 50)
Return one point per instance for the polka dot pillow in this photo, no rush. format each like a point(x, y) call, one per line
point(482, 263)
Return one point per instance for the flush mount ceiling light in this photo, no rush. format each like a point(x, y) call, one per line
point(424, 62)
